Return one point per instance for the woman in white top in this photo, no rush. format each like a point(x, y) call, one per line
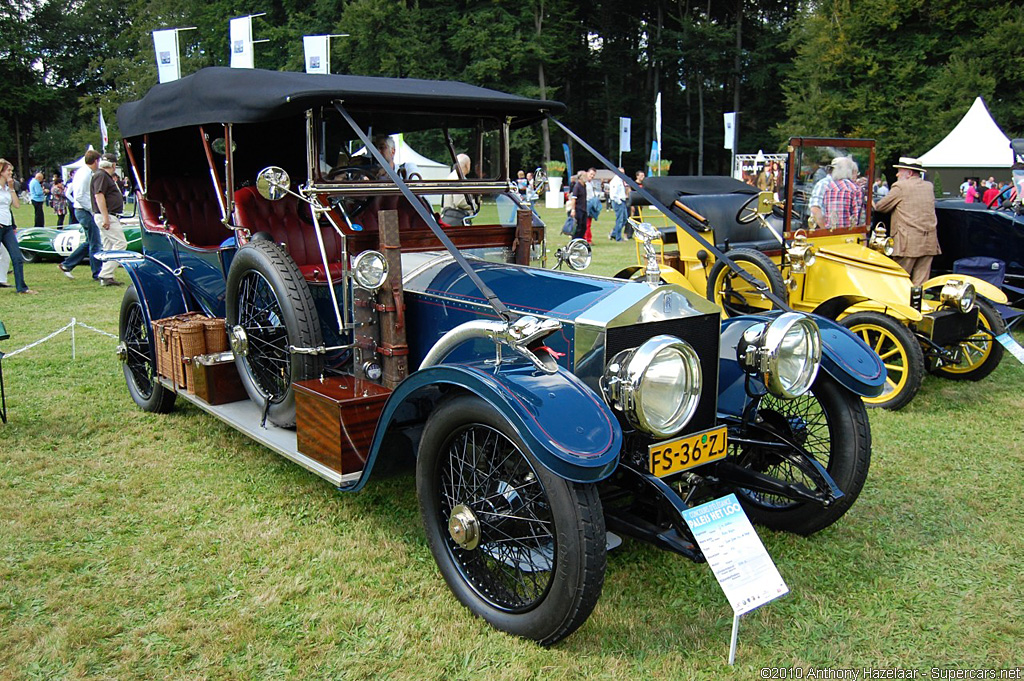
point(9, 200)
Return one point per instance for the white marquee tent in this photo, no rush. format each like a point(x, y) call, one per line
point(976, 147)
point(66, 170)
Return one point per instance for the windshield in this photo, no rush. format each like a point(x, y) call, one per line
point(830, 185)
point(418, 149)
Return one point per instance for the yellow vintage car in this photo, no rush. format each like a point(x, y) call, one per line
point(843, 272)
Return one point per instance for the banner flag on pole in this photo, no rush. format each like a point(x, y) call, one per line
point(103, 131)
point(624, 134)
point(168, 65)
point(568, 159)
point(240, 31)
point(657, 123)
point(655, 155)
point(730, 130)
point(318, 53)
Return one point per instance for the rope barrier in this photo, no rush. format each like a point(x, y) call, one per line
point(69, 326)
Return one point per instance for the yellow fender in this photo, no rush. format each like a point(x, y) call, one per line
point(840, 306)
point(983, 288)
point(673, 276)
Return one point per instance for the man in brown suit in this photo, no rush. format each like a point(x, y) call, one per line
point(912, 203)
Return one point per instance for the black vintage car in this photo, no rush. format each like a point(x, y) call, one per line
point(546, 410)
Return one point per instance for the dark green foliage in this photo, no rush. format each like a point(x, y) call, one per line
point(900, 72)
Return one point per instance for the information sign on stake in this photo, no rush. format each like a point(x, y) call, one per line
point(737, 557)
point(1012, 345)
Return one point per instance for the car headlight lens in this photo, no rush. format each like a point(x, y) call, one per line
point(656, 386)
point(801, 254)
point(786, 353)
point(577, 254)
point(878, 241)
point(958, 294)
point(370, 269)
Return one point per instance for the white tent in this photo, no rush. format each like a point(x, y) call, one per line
point(66, 170)
point(429, 169)
point(976, 147)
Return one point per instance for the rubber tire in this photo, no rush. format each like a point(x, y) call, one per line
point(30, 256)
point(913, 356)
point(990, 319)
point(298, 312)
point(575, 509)
point(135, 333)
point(765, 270)
point(849, 443)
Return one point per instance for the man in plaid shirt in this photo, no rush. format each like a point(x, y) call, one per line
point(843, 203)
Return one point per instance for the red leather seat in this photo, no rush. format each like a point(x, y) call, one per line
point(189, 210)
point(289, 222)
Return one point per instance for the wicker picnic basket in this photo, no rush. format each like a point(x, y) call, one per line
point(182, 338)
point(216, 335)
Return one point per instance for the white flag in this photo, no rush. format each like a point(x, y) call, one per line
point(624, 134)
point(168, 66)
point(103, 131)
point(241, 43)
point(318, 53)
point(730, 130)
point(657, 122)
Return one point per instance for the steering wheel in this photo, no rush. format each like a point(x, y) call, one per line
point(350, 174)
point(748, 211)
point(352, 205)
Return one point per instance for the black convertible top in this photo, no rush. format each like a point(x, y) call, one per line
point(668, 189)
point(224, 95)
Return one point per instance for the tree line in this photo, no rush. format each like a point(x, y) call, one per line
point(899, 71)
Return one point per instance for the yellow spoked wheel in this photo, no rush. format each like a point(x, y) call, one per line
point(980, 353)
point(728, 290)
point(900, 352)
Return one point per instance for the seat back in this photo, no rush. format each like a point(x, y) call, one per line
point(189, 209)
point(289, 222)
point(987, 269)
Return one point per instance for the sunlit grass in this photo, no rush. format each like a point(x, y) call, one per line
point(143, 546)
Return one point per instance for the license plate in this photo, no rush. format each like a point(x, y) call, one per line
point(687, 452)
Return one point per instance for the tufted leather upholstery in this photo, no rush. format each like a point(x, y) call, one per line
point(188, 208)
point(288, 221)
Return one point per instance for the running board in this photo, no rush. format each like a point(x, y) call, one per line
point(244, 416)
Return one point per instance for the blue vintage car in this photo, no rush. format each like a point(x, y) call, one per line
point(548, 412)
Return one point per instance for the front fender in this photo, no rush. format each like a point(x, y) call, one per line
point(836, 306)
point(993, 293)
point(570, 430)
point(161, 293)
point(844, 357)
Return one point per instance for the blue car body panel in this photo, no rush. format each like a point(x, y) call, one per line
point(583, 448)
point(844, 357)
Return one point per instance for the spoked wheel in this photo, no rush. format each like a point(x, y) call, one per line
point(900, 352)
point(734, 295)
point(137, 359)
point(980, 353)
point(831, 424)
point(270, 311)
point(517, 545)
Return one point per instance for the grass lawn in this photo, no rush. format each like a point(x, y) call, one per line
point(147, 546)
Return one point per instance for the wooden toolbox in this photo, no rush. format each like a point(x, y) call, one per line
point(216, 380)
point(336, 418)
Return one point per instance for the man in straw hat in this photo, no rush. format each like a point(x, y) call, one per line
point(912, 203)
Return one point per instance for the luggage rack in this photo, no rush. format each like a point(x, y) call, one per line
point(245, 416)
